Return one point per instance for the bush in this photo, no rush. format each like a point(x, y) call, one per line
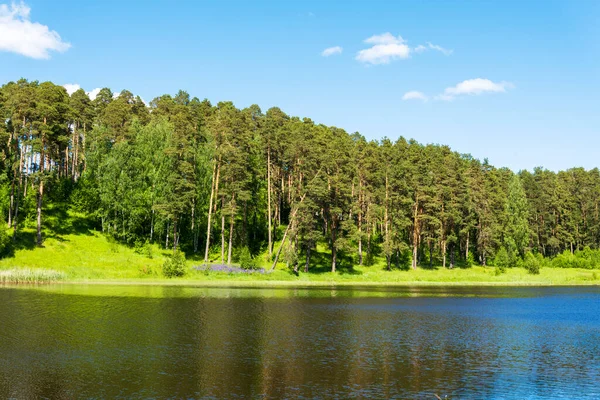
point(175, 265)
point(246, 260)
point(532, 264)
point(5, 242)
point(470, 260)
point(501, 261)
point(568, 260)
point(403, 259)
point(143, 248)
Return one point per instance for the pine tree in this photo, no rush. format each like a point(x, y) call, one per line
point(516, 230)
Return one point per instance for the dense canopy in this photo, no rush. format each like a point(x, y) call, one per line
point(221, 181)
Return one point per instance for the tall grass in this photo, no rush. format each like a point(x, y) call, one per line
point(28, 275)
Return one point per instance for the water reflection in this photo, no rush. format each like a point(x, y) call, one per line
point(67, 342)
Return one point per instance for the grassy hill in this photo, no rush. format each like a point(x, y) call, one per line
point(74, 251)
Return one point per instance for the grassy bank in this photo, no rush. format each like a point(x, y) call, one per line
point(94, 258)
point(26, 275)
point(80, 254)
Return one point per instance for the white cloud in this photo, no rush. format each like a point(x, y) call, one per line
point(92, 94)
point(32, 39)
point(331, 51)
point(430, 46)
point(384, 38)
point(442, 50)
point(71, 88)
point(414, 95)
point(474, 87)
point(386, 47)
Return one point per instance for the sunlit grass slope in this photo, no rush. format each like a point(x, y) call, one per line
point(74, 251)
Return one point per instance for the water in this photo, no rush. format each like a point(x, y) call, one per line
point(69, 341)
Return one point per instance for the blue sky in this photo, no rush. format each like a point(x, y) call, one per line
point(514, 81)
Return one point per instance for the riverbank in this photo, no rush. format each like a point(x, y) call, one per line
point(361, 276)
point(92, 258)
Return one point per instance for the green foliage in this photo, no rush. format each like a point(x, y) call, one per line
point(246, 260)
point(516, 232)
point(4, 238)
point(174, 266)
point(144, 248)
point(146, 174)
point(470, 259)
point(502, 260)
point(532, 264)
point(290, 257)
point(403, 259)
point(26, 275)
point(586, 259)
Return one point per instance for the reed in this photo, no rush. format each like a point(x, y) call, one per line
point(28, 275)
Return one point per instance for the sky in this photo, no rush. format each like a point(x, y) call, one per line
point(516, 82)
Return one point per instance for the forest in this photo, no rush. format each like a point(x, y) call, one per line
point(223, 183)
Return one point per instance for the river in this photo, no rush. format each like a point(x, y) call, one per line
point(95, 341)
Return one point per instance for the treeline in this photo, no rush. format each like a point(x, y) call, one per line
point(214, 179)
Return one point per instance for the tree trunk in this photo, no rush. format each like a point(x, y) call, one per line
point(28, 162)
point(333, 247)
point(269, 201)
point(386, 210)
point(215, 180)
point(307, 257)
point(39, 212)
point(467, 248)
point(231, 220)
point(292, 215)
point(194, 233)
point(175, 235)
point(12, 202)
point(151, 225)
point(16, 219)
point(359, 220)
point(83, 147)
point(280, 247)
point(444, 254)
point(41, 191)
point(222, 231)
point(66, 164)
point(167, 239)
point(415, 233)
point(430, 253)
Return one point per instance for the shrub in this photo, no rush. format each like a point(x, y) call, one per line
point(568, 260)
point(532, 264)
point(174, 266)
point(470, 260)
point(143, 248)
point(246, 260)
point(290, 256)
point(4, 238)
point(501, 261)
point(146, 270)
point(403, 259)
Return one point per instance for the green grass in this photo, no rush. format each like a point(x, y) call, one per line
point(74, 252)
point(26, 275)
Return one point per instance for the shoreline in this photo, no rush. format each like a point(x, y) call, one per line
point(226, 283)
